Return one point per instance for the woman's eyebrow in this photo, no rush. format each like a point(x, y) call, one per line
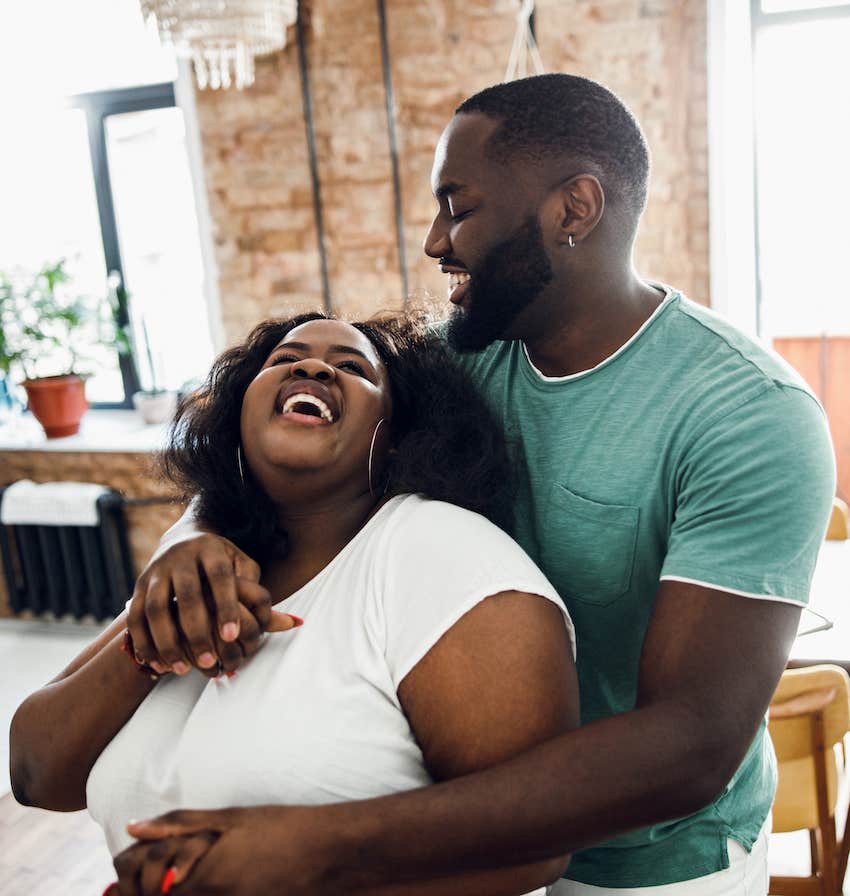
point(348, 350)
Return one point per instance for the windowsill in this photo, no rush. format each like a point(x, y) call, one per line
point(107, 431)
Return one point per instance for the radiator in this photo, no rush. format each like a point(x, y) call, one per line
point(70, 570)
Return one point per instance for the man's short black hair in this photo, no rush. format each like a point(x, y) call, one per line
point(547, 116)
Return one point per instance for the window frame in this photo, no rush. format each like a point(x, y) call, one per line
point(98, 106)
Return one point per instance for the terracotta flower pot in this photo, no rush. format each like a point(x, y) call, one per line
point(58, 403)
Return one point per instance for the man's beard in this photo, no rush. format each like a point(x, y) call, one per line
point(509, 279)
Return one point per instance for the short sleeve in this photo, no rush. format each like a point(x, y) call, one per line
point(439, 562)
point(753, 497)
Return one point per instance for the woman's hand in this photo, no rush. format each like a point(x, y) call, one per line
point(153, 868)
point(237, 852)
point(199, 603)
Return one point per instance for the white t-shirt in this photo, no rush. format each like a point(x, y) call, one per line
point(314, 717)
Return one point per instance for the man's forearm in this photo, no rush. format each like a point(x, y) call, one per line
point(604, 779)
point(188, 524)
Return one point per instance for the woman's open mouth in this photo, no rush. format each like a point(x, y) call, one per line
point(307, 409)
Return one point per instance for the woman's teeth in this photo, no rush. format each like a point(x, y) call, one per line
point(457, 279)
point(304, 398)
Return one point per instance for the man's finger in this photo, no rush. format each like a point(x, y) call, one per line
point(161, 625)
point(195, 623)
point(245, 567)
point(257, 599)
point(179, 823)
point(164, 637)
point(221, 575)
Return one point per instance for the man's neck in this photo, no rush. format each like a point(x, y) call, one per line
point(592, 325)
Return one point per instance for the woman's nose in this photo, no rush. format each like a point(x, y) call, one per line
point(313, 368)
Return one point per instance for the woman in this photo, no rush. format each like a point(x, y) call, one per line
point(311, 447)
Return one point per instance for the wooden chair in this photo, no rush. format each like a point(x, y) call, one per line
point(808, 719)
point(839, 521)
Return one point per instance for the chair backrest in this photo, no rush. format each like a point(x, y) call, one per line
point(802, 693)
point(839, 521)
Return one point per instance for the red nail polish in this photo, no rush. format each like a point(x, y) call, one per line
point(296, 619)
point(230, 674)
point(168, 880)
point(110, 889)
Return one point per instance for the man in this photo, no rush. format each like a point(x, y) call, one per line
point(674, 484)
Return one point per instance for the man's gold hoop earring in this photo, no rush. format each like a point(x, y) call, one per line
point(239, 464)
point(371, 452)
point(571, 241)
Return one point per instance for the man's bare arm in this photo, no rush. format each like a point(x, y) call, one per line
point(710, 664)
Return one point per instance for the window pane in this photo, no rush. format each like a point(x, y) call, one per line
point(160, 247)
point(803, 131)
point(49, 213)
point(793, 5)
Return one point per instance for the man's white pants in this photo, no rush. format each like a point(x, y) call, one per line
point(746, 875)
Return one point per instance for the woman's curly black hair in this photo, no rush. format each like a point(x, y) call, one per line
point(447, 443)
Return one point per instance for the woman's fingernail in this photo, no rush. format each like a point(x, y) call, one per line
point(229, 631)
point(159, 668)
point(296, 619)
point(181, 668)
point(168, 880)
point(230, 674)
point(112, 888)
point(206, 660)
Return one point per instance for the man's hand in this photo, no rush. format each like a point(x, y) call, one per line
point(238, 852)
point(199, 603)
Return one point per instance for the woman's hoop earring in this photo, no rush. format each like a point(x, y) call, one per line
point(239, 463)
point(571, 241)
point(371, 452)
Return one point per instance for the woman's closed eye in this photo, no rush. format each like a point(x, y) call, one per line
point(353, 366)
point(282, 359)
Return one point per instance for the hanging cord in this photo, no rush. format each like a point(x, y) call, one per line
point(524, 49)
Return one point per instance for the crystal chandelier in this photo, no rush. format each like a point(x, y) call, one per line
point(222, 37)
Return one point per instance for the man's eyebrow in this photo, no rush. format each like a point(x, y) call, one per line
point(333, 349)
point(449, 189)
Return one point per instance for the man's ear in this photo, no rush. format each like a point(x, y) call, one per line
point(574, 208)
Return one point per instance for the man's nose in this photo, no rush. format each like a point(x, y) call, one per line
point(437, 243)
point(314, 369)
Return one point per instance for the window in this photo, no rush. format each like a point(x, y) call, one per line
point(94, 168)
point(802, 125)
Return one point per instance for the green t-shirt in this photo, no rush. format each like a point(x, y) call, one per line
point(692, 453)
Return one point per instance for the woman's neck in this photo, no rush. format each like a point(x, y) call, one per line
point(314, 537)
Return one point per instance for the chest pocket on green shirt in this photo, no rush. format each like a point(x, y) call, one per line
point(588, 548)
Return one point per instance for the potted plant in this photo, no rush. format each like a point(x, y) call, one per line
point(45, 330)
point(155, 405)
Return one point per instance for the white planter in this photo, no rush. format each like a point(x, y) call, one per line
point(155, 407)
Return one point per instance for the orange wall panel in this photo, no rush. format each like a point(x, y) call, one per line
point(824, 362)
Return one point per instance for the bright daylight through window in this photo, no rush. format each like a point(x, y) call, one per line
point(802, 131)
point(94, 170)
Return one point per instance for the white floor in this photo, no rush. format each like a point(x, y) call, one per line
point(31, 653)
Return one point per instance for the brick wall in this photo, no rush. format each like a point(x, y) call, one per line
point(651, 52)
